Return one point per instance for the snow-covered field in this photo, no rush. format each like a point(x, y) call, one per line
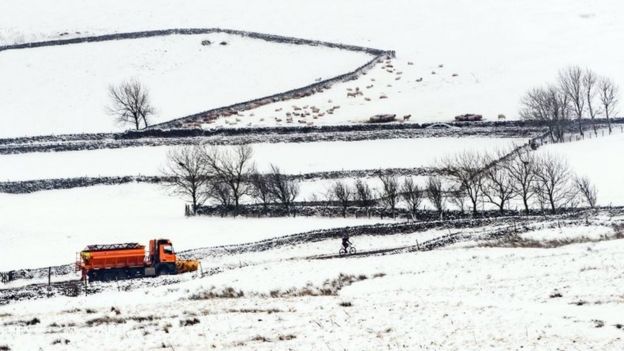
point(478, 298)
point(453, 57)
point(599, 159)
point(52, 226)
point(68, 85)
point(490, 44)
point(292, 158)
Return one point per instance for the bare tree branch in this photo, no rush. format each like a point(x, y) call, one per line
point(412, 195)
point(188, 173)
point(608, 92)
point(390, 192)
point(571, 83)
point(435, 194)
point(130, 103)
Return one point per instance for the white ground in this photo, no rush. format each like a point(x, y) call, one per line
point(292, 158)
point(599, 159)
point(67, 86)
point(477, 298)
point(458, 298)
point(498, 49)
point(52, 226)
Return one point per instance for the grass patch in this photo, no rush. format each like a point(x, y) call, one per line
point(329, 287)
point(346, 304)
point(22, 323)
point(189, 322)
point(227, 293)
point(255, 310)
point(60, 341)
point(516, 241)
point(261, 338)
point(104, 321)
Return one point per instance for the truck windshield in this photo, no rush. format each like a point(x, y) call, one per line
point(168, 249)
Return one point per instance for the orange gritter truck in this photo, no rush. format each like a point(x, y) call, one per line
point(129, 260)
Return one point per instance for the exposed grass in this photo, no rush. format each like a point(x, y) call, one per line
point(227, 293)
point(261, 338)
point(104, 321)
point(33, 321)
point(255, 310)
point(329, 287)
point(60, 341)
point(346, 304)
point(5, 348)
point(516, 241)
point(189, 322)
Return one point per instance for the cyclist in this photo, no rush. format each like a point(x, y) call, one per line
point(346, 242)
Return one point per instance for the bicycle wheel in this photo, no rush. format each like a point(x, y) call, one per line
point(342, 252)
point(352, 250)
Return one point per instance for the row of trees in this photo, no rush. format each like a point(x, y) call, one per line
point(474, 180)
point(577, 93)
point(546, 181)
point(225, 176)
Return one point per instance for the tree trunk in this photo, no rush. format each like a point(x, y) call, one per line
point(580, 125)
point(526, 204)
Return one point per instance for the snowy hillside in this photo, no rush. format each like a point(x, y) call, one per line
point(599, 159)
point(412, 234)
point(68, 85)
point(497, 49)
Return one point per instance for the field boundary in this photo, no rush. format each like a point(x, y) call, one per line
point(194, 120)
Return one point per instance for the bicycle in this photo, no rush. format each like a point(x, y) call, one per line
point(350, 250)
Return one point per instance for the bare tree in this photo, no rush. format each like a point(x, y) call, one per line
point(571, 83)
point(390, 192)
point(465, 169)
point(187, 174)
point(587, 190)
point(522, 169)
point(220, 192)
point(343, 193)
point(457, 196)
point(553, 182)
point(608, 94)
point(364, 195)
point(130, 103)
point(260, 188)
point(412, 195)
point(549, 105)
point(282, 189)
point(232, 167)
point(435, 194)
point(497, 186)
point(590, 80)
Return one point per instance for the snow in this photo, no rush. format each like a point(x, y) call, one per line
point(292, 158)
point(490, 44)
point(464, 296)
point(52, 226)
point(70, 83)
point(590, 232)
point(481, 298)
point(599, 159)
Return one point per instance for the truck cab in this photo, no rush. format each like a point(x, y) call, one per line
point(162, 257)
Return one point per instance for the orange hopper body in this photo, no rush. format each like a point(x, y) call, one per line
point(113, 256)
